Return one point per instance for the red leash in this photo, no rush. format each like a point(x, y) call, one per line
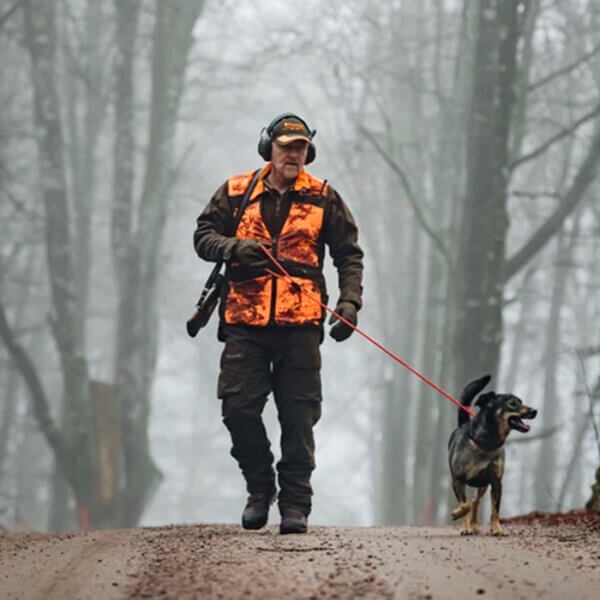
point(285, 276)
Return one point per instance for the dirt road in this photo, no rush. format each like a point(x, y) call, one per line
point(223, 561)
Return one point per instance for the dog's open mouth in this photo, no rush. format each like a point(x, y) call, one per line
point(516, 423)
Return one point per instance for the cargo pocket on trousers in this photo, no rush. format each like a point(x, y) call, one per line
point(306, 363)
point(231, 377)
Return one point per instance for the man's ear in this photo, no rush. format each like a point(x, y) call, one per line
point(485, 399)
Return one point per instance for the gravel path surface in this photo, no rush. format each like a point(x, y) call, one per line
point(223, 561)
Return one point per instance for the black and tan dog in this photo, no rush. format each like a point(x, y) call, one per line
point(476, 453)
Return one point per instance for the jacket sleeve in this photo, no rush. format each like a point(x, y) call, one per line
point(341, 235)
point(211, 239)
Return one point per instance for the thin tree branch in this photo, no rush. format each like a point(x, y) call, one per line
point(517, 295)
point(41, 407)
point(9, 13)
point(535, 195)
point(564, 70)
point(555, 138)
point(589, 351)
point(586, 174)
point(437, 242)
point(179, 164)
point(532, 438)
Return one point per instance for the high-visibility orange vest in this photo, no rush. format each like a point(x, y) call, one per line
point(262, 299)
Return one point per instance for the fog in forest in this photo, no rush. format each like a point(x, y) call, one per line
point(464, 137)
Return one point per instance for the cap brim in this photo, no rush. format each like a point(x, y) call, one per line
point(288, 139)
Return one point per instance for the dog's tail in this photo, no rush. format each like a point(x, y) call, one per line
point(468, 394)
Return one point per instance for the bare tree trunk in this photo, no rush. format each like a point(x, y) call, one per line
point(137, 331)
point(396, 420)
point(545, 497)
point(519, 344)
point(395, 423)
point(41, 42)
point(583, 426)
point(441, 494)
point(400, 279)
point(11, 398)
point(518, 126)
point(9, 408)
point(426, 442)
point(448, 191)
point(30, 464)
point(60, 514)
point(85, 88)
point(484, 225)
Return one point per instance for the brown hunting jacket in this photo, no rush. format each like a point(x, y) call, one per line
point(296, 226)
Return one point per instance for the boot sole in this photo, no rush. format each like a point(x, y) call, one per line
point(259, 524)
point(254, 524)
point(286, 530)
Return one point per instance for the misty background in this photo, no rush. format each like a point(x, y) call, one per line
point(465, 138)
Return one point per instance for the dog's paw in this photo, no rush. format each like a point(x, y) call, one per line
point(461, 511)
point(466, 531)
point(475, 528)
point(497, 530)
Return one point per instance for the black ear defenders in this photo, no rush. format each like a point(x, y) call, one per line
point(266, 137)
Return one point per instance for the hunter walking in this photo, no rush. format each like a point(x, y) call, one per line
point(271, 328)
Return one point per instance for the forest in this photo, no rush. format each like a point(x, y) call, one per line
point(465, 138)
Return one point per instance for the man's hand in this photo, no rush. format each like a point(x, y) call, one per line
point(249, 254)
point(340, 331)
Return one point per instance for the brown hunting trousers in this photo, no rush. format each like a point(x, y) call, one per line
point(287, 362)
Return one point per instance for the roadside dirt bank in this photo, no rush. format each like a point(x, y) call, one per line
point(222, 561)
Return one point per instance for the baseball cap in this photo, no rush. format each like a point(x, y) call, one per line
point(290, 129)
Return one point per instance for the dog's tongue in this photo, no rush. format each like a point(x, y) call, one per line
point(519, 425)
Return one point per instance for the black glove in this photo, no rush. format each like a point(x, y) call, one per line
point(249, 254)
point(340, 331)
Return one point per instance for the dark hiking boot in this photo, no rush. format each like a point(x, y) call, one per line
point(256, 513)
point(292, 521)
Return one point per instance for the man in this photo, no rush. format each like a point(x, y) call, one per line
point(272, 329)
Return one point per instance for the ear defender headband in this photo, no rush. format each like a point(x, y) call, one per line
point(266, 137)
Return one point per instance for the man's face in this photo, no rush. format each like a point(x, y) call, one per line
point(289, 160)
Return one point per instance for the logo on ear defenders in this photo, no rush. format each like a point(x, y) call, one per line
point(293, 126)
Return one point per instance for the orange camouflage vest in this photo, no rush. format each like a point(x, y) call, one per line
point(265, 299)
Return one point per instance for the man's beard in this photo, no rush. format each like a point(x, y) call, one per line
point(291, 171)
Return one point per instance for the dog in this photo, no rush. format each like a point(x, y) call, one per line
point(476, 452)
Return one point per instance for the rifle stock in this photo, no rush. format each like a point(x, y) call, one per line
point(212, 289)
point(205, 308)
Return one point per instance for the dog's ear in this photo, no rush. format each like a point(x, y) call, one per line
point(485, 399)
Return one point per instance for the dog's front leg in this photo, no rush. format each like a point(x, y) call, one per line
point(475, 508)
point(463, 507)
point(496, 497)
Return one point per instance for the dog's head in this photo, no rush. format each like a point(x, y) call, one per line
point(507, 410)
